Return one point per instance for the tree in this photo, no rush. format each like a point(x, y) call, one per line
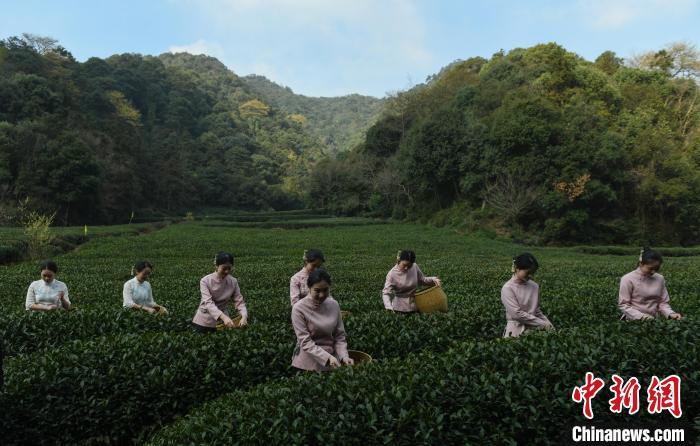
point(510, 196)
point(608, 62)
point(71, 175)
point(254, 109)
point(40, 44)
point(678, 59)
point(123, 108)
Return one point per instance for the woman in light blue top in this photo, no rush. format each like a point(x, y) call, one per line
point(137, 291)
point(49, 293)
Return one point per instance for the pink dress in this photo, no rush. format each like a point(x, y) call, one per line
point(402, 285)
point(641, 295)
point(216, 295)
point(320, 334)
point(522, 303)
point(297, 286)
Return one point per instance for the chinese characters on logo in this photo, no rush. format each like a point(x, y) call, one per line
point(662, 395)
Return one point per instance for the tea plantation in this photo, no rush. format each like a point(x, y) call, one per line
point(102, 375)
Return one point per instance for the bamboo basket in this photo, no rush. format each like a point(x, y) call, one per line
point(236, 324)
point(359, 357)
point(431, 300)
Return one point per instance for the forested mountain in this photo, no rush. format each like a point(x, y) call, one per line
point(100, 139)
point(538, 143)
point(339, 122)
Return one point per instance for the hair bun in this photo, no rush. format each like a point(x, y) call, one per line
point(223, 257)
point(312, 255)
point(525, 261)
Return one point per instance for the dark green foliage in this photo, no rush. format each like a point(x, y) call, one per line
point(97, 140)
point(499, 392)
point(14, 246)
point(339, 122)
point(129, 373)
point(12, 253)
point(555, 146)
point(626, 251)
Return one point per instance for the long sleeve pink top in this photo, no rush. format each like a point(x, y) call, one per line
point(297, 286)
point(522, 303)
point(641, 295)
point(402, 285)
point(320, 334)
point(216, 295)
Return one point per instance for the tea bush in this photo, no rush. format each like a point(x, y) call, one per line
point(489, 392)
point(116, 376)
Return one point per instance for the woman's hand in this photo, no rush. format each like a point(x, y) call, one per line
point(333, 362)
point(348, 361)
point(228, 322)
point(676, 316)
point(438, 282)
point(151, 310)
point(62, 301)
point(243, 322)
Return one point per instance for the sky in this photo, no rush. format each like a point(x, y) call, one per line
point(339, 47)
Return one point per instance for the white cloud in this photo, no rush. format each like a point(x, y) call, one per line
point(294, 12)
point(262, 69)
point(615, 14)
point(346, 36)
point(201, 46)
point(388, 24)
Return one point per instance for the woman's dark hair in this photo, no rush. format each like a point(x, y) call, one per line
point(50, 265)
point(318, 275)
point(223, 257)
point(312, 255)
point(141, 265)
point(525, 261)
point(648, 255)
point(407, 255)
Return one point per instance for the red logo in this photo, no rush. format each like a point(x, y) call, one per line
point(665, 395)
point(625, 396)
point(587, 392)
point(661, 395)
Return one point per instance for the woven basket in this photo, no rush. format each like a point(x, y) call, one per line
point(431, 300)
point(236, 324)
point(161, 311)
point(359, 357)
point(344, 314)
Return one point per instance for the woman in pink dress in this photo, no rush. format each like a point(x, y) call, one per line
point(313, 259)
point(521, 299)
point(218, 289)
point(643, 292)
point(402, 281)
point(319, 329)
